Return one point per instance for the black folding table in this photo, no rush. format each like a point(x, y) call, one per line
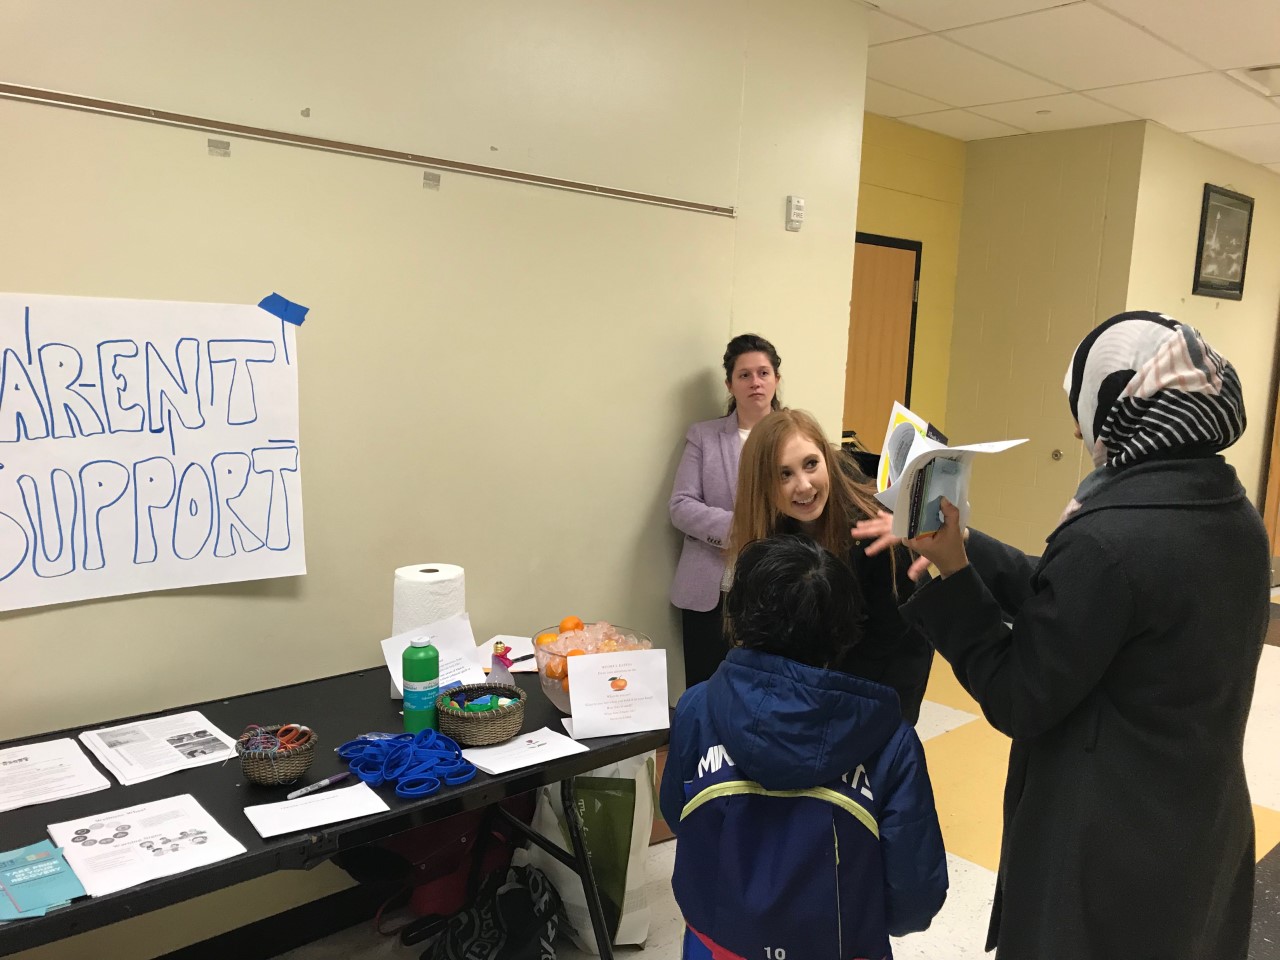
point(339, 708)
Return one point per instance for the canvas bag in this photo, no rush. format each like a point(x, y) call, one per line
point(615, 806)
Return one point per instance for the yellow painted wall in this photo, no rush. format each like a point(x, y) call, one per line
point(1045, 243)
point(1175, 169)
point(912, 187)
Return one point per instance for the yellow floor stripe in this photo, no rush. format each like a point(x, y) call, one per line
point(945, 689)
point(967, 766)
point(1267, 824)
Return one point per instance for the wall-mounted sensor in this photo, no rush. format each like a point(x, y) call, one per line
point(795, 213)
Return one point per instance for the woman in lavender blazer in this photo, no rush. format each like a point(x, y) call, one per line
point(702, 499)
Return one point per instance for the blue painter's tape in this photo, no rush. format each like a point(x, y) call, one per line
point(286, 310)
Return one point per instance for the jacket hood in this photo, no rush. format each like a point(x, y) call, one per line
point(789, 726)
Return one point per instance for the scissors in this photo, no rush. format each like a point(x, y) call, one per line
point(292, 736)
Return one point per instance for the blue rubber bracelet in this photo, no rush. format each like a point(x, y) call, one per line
point(463, 774)
point(397, 761)
point(423, 786)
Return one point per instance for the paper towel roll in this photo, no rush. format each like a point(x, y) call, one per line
point(427, 592)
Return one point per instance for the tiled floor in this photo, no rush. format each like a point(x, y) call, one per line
point(957, 741)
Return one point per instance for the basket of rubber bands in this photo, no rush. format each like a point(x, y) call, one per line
point(277, 754)
point(481, 714)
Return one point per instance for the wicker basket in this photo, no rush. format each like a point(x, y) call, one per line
point(485, 728)
point(271, 768)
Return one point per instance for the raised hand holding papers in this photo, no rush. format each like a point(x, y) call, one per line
point(914, 477)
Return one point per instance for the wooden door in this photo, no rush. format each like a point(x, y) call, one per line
point(882, 319)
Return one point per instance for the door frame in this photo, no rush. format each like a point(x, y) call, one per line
point(878, 240)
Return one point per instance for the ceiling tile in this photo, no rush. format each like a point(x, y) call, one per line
point(883, 28)
point(891, 102)
point(1053, 113)
point(944, 14)
point(937, 68)
point(1078, 46)
point(1260, 144)
point(1242, 33)
point(962, 125)
point(1206, 101)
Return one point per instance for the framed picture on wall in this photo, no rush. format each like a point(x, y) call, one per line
point(1223, 250)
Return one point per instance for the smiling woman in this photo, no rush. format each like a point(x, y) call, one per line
point(792, 480)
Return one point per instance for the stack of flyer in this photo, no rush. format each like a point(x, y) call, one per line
point(123, 848)
point(918, 469)
point(35, 880)
point(145, 749)
point(43, 772)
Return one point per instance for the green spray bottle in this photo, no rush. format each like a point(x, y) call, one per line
point(421, 664)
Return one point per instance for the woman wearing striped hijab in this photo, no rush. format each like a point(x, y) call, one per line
point(1122, 664)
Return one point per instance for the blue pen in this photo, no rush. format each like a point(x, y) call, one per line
point(320, 785)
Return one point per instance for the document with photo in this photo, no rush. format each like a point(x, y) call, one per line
point(123, 848)
point(145, 749)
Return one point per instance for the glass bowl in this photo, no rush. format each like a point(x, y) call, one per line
point(553, 665)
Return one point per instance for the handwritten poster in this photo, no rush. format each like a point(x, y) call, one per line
point(144, 445)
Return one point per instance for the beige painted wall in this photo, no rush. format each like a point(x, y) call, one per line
point(493, 374)
point(1045, 240)
point(1174, 172)
point(912, 188)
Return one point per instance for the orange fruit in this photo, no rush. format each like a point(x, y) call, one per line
point(564, 684)
point(556, 668)
point(618, 683)
point(570, 623)
point(576, 653)
point(544, 638)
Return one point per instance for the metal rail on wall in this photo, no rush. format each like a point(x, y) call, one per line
point(72, 101)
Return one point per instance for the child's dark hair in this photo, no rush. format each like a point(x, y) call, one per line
point(793, 598)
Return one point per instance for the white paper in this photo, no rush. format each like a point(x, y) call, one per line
point(616, 693)
point(520, 647)
point(452, 638)
point(42, 772)
point(123, 848)
point(145, 749)
point(525, 750)
point(148, 445)
point(955, 486)
point(315, 810)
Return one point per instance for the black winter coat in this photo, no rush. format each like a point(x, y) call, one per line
point(1125, 683)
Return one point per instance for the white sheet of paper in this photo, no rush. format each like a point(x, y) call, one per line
point(145, 749)
point(520, 646)
point(123, 848)
point(315, 810)
point(452, 637)
point(525, 750)
point(42, 772)
point(615, 693)
point(127, 397)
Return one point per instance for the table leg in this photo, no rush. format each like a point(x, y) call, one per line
point(603, 941)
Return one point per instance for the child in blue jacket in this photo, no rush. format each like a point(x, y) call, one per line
point(800, 800)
